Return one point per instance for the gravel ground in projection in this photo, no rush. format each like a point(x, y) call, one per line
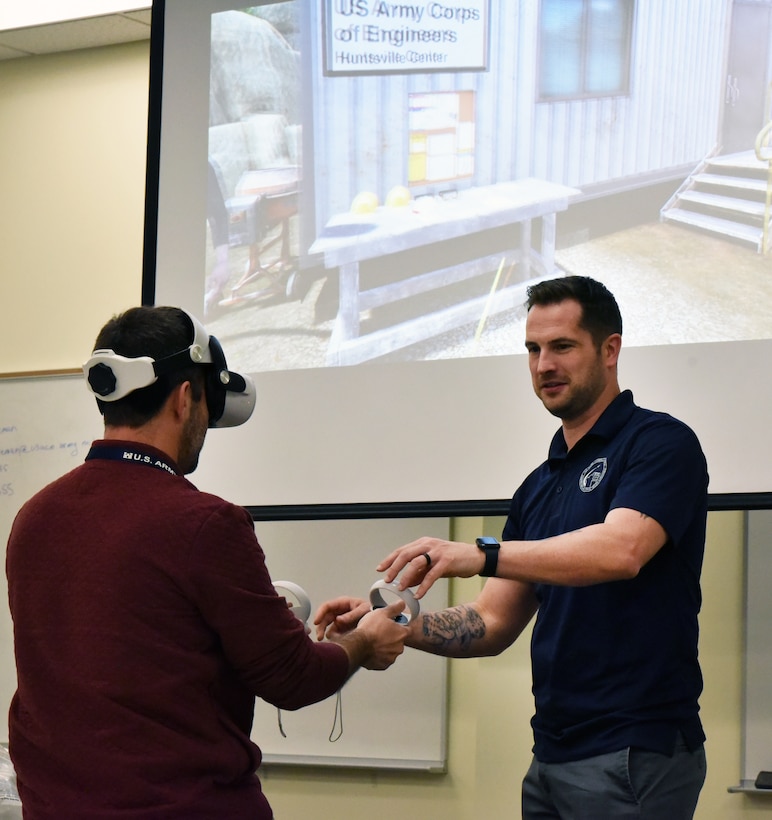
point(673, 286)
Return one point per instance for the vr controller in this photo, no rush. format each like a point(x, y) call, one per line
point(377, 600)
point(302, 603)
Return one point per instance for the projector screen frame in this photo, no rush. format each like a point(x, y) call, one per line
point(461, 507)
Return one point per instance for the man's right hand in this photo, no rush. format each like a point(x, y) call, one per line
point(335, 618)
point(378, 639)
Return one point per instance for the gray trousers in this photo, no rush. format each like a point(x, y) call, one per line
point(631, 783)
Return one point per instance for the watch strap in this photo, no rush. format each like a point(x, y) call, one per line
point(491, 562)
point(490, 548)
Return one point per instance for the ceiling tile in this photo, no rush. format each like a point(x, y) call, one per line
point(75, 34)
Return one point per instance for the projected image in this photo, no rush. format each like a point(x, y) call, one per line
point(441, 137)
point(254, 154)
point(387, 179)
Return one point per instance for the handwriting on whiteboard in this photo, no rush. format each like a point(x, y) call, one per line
point(15, 453)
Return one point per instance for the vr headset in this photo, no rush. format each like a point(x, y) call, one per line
point(230, 397)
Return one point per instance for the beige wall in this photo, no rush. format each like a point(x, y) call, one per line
point(72, 165)
point(72, 151)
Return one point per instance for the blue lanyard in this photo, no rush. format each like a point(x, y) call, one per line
point(128, 454)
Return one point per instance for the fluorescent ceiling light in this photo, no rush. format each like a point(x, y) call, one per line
point(28, 13)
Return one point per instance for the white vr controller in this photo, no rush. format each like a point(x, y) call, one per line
point(392, 590)
point(301, 603)
point(379, 593)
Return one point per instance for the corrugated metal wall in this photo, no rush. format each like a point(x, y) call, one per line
point(670, 119)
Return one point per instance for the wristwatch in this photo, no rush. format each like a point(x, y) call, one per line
point(490, 546)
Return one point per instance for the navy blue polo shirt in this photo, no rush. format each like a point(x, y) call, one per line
point(615, 664)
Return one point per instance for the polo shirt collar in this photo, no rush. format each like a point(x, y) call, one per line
point(611, 421)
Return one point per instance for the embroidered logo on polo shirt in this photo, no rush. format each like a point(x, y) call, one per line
point(593, 475)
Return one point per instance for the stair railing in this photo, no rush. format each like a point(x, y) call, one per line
point(764, 154)
point(763, 148)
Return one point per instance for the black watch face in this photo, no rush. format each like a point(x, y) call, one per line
point(487, 542)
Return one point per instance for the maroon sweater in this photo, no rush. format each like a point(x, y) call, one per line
point(145, 624)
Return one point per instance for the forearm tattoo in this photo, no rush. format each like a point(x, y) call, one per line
point(452, 631)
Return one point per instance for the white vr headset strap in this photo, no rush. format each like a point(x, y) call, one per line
point(129, 373)
point(122, 375)
point(199, 350)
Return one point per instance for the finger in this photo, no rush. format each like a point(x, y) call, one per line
point(409, 577)
point(321, 625)
point(323, 619)
point(415, 571)
point(393, 566)
point(389, 612)
point(403, 558)
point(323, 614)
point(427, 582)
point(395, 609)
point(336, 606)
point(392, 556)
point(399, 557)
point(387, 561)
point(347, 620)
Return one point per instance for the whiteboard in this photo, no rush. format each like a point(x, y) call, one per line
point(393, 719)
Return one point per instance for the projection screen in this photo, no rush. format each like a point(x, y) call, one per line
point(354, 196)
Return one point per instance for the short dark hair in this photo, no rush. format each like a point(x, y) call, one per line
point(600, 312)
point(156, 332)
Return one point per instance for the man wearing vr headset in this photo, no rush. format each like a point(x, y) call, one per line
point(145, 620)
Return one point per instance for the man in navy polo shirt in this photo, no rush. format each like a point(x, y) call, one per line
point(604, 543)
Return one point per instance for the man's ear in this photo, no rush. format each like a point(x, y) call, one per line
point(611, 348)
point(180, 400)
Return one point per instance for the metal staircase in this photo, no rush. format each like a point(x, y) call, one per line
point(726, 196)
